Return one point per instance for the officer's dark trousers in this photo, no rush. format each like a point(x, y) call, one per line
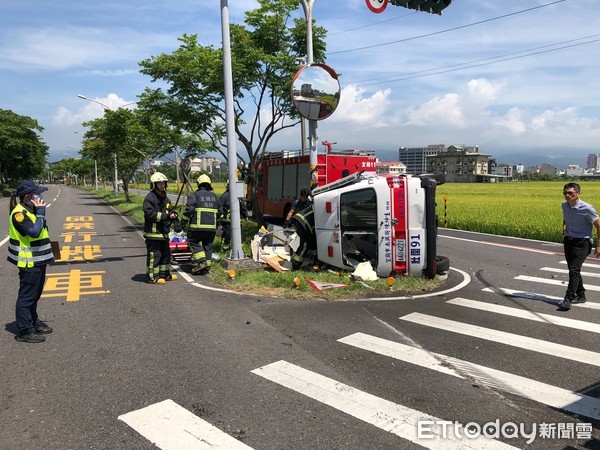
point(158, 259)
point(576, 250)
point(31, 285)
point(201, 244)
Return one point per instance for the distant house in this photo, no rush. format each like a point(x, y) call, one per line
point(463, 165)
point(205, 164)
point(544, 169)
point(573, 170)
point(390, 167)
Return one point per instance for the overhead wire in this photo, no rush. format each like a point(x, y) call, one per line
point(460, 27)
point(480, 62)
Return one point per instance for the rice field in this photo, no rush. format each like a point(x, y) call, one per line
point(521, 209)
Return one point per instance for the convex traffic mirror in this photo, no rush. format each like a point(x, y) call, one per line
point(316, 91)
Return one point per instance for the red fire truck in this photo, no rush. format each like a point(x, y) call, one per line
point(281, 175)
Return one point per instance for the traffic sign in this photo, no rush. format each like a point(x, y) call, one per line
point(377, 6)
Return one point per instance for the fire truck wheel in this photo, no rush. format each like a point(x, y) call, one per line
point(442, 264)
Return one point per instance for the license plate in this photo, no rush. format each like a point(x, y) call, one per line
point(401, 250)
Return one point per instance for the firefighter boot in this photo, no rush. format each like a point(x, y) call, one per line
point(199, 268)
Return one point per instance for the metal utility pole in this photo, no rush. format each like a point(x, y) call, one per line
point(234, 204)
point(307, 6)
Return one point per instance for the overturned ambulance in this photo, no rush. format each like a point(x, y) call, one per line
point(387, 220)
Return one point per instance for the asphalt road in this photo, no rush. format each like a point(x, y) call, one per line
point(130, 363)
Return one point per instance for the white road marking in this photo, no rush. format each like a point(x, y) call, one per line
point(541, 297)
point(553, 282)
point(497, 244)
point(540, 392)
point(529, 315)
point(4, 241)
point(566, 271)
point(585, 264)
point(527, 343)
point(383, 414)
point(172, 427)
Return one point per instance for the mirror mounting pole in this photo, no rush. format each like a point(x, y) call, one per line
point(307, 6)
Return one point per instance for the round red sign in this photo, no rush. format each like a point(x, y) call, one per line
point(377, 6)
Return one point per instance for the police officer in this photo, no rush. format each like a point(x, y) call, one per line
point(201, 215)
point(304, 224)
point(30, 250)
point(224, 214)
point(158, 215)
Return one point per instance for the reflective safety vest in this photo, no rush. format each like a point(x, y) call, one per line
point(26, 251)
point(204, 215)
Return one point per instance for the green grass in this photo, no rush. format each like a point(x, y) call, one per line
point(521, 209)
point(267, 282)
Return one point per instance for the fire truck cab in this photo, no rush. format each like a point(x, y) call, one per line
point(388, 220)
point(280, 176)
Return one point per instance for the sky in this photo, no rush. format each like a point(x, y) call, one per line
point(517, 78)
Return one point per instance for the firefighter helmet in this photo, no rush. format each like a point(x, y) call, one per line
point(156, 177)
point(204, 179)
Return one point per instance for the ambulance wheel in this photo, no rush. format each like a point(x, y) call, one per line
point(442, 264)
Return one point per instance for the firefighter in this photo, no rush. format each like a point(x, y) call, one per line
point(30, 250)
point(304, 224)
point(224, 215)
point(201, 215)
point(158, 215)
point(298, 205)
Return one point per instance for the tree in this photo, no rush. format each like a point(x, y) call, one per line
point(22, 151)
point(264, 58)
point(135, 136)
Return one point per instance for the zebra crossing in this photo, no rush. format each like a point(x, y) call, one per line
point(401, 420)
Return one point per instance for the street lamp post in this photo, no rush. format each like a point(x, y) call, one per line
point(236, 228)
point(106, 108)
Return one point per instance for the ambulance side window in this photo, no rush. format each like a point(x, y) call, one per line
point(358, 211)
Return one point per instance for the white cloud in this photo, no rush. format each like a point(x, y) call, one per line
point(511, 121)
point(91, 110)
point(364, 111)
point(439, 112)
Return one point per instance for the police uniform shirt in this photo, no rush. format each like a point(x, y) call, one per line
point(25, 226)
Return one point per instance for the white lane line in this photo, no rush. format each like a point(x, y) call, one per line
point(553, 282)
point(529, 315)
point(586, 274)
point(546, 394)
point(4, 241)
point(172, 427)
point(383, 414)
point(524, 342)
point(497, 244)
point(540, 297)
point(585, 264)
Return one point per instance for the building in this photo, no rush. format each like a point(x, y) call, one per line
point(593, 161)
point(415, 158)
point(205, 164)
point(573, 170)
point(462, 165)
point(500, 169)
point(390, 167)
point(544, 169)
